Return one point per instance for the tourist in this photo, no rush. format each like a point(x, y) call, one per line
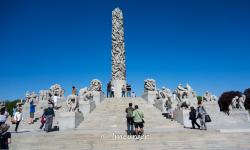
point(201, 115)
point(32, 112)
point(109, 89)
point(138, 120)
point(18, 117)
point(5, 137)
point(74, 91)
point(49, 114)
point(129, 117)
point(112, 91)
point(128, 90)
point(51, 101)
point(55, 99)
point(3, 115)
point(133, 94)
point(123, 91)
point(193, 118)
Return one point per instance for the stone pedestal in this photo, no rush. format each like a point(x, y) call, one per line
point(182, 116)
point(87, 107)
point(98, 97)
point(149, 96)
point(159, 104)
point(69, 120)
point(118, 86)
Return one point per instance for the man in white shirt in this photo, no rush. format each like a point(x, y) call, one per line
point(18, 117)
point(55, 99)
point(112, 91)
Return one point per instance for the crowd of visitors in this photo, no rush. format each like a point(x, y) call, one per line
point(126, 91)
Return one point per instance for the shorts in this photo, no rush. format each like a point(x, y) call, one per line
point(31, 115)
point(138, 124)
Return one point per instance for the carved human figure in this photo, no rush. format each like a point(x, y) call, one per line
point(95, 85)
point(72, 103)
point(149, 85)
point(241, 102)
point(206, 96)
point(181, 91)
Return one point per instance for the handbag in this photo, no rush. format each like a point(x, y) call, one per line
point(207, 118)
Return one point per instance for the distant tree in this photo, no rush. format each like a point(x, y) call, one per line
point(199, 98)
point(226, 99)
point(10, 104)
point(247, 102)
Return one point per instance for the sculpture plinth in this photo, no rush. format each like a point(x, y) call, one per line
point(118, 53)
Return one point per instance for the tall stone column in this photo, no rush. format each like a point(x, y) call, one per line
point(118, 52)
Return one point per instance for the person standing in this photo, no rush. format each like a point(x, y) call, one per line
point(49, 114)
point(129, 114)
point(201, 115)
point(55, 99)
point(138, 117)
point(112, 91)
point(193, 118)
point(109, 89)
point(3, 115)
point(32, 112)
point(128, 90)
point(5, 137)
point(74, 91)
point(18, 117)
point(123, 91)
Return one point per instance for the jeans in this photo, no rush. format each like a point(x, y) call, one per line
point(123, 93)
point(130, 127)
point(17, 124)
point(202, 122)
point(128, 94)
point(41, 125)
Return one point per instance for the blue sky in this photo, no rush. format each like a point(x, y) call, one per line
point(205, 43)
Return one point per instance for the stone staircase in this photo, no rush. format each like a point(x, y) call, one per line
point(221, 121)
point(105, 127)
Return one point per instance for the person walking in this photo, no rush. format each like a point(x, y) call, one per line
point(193, 118)
point(49, 114)
point(32, 112)
point(138, 118)
point(129, 114)
point(201, 115)
point(18, 117)
point(123, 91)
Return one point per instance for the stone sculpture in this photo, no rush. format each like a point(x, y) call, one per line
point(241, 102)
point(85, 94)
point(56, 89)
point(118, 46)
point(44, 95)
point(95, 85)
point(149, 85)
point(186, 97)
point(209, 97)
point(72, 103)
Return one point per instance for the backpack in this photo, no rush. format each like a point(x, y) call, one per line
point(130, 112)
